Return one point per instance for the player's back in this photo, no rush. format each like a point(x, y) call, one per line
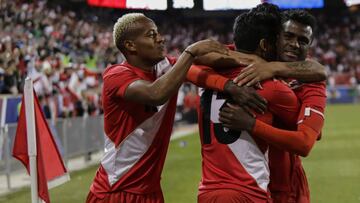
point(236, 160)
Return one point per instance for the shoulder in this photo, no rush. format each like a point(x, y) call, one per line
point(296, 85)
point(119, 75)
point(282, 101)
point(317, 85)
point(117, 78)
point(274, 85)
point(277, 91)
point(311, 89)
point(115, 70)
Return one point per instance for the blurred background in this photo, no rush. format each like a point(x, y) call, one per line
point(65, 45)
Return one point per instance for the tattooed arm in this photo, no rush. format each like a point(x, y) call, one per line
point(305, 71)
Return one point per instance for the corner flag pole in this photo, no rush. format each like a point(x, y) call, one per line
point(31, 137)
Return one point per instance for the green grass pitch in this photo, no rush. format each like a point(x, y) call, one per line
point(333, 167)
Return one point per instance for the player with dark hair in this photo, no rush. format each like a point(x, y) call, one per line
point(139, 101)
point(235, 165)
point(297, 66)
point(288, 181)
point(245, 33)
point(312, 95)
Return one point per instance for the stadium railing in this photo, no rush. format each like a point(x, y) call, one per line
point(75, 137)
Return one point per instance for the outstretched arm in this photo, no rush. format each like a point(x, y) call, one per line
point(159, 91)
point(301, 141)
point(298, 142)
point(232, 60)
point(305, 71)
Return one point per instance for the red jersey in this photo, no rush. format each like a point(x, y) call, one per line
point(137, 135)
point(287, 173)
point(236, 160)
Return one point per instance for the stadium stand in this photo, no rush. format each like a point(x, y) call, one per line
point(66, 49)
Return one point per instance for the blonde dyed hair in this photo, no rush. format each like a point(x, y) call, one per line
point(122, 27)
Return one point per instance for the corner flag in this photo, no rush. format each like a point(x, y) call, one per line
point(35, 147)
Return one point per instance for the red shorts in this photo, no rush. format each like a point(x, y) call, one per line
point(224, 195)
point(125, 197)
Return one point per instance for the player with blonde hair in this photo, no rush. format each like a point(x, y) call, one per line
point(139, 101)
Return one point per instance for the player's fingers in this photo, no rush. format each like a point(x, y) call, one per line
point(244, 61)
point(260, 99)
point(223, 50)
point(255, 107)
point(246, 79)
point(226, 125)
point(225, 114)
point(254, 80)
point(228, 112)
point(258, 108)
point(220, 48)
point(248, 111)
point(237, 79)
point(224, 120)
point(226, 109)
point(246, 69)
point(242, 76)
point(259, 103)
point(233, 106)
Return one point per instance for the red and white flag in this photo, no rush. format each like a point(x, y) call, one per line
point(50, 167)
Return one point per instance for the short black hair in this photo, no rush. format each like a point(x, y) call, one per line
point(261, 22)
point(300, 16)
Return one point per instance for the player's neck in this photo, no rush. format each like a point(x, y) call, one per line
point(141, 64)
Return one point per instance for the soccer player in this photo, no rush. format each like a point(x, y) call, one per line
point(139, 100)
point(235, 165)
point(288, 181)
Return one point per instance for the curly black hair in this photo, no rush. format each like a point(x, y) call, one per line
point(261, 22)
point(301, 16)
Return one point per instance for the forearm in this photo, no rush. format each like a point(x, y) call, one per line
point(158, 92)
point(203, 76)
point(299, 142)
point(217, 60)
point(168, 84)
point(305, 71)
point(231, 60)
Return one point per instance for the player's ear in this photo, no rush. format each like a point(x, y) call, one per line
point(263, 45)
point(129, 45)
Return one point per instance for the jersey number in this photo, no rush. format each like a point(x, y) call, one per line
point(211, 104)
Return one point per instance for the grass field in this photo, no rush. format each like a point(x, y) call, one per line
point(333, 167)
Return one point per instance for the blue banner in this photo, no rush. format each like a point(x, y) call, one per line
point(342, 94)
point(286, 4)
point(12, 109)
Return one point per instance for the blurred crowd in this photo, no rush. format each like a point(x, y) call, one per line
point(63, 54)
point(65, 51)
point(337, 47)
